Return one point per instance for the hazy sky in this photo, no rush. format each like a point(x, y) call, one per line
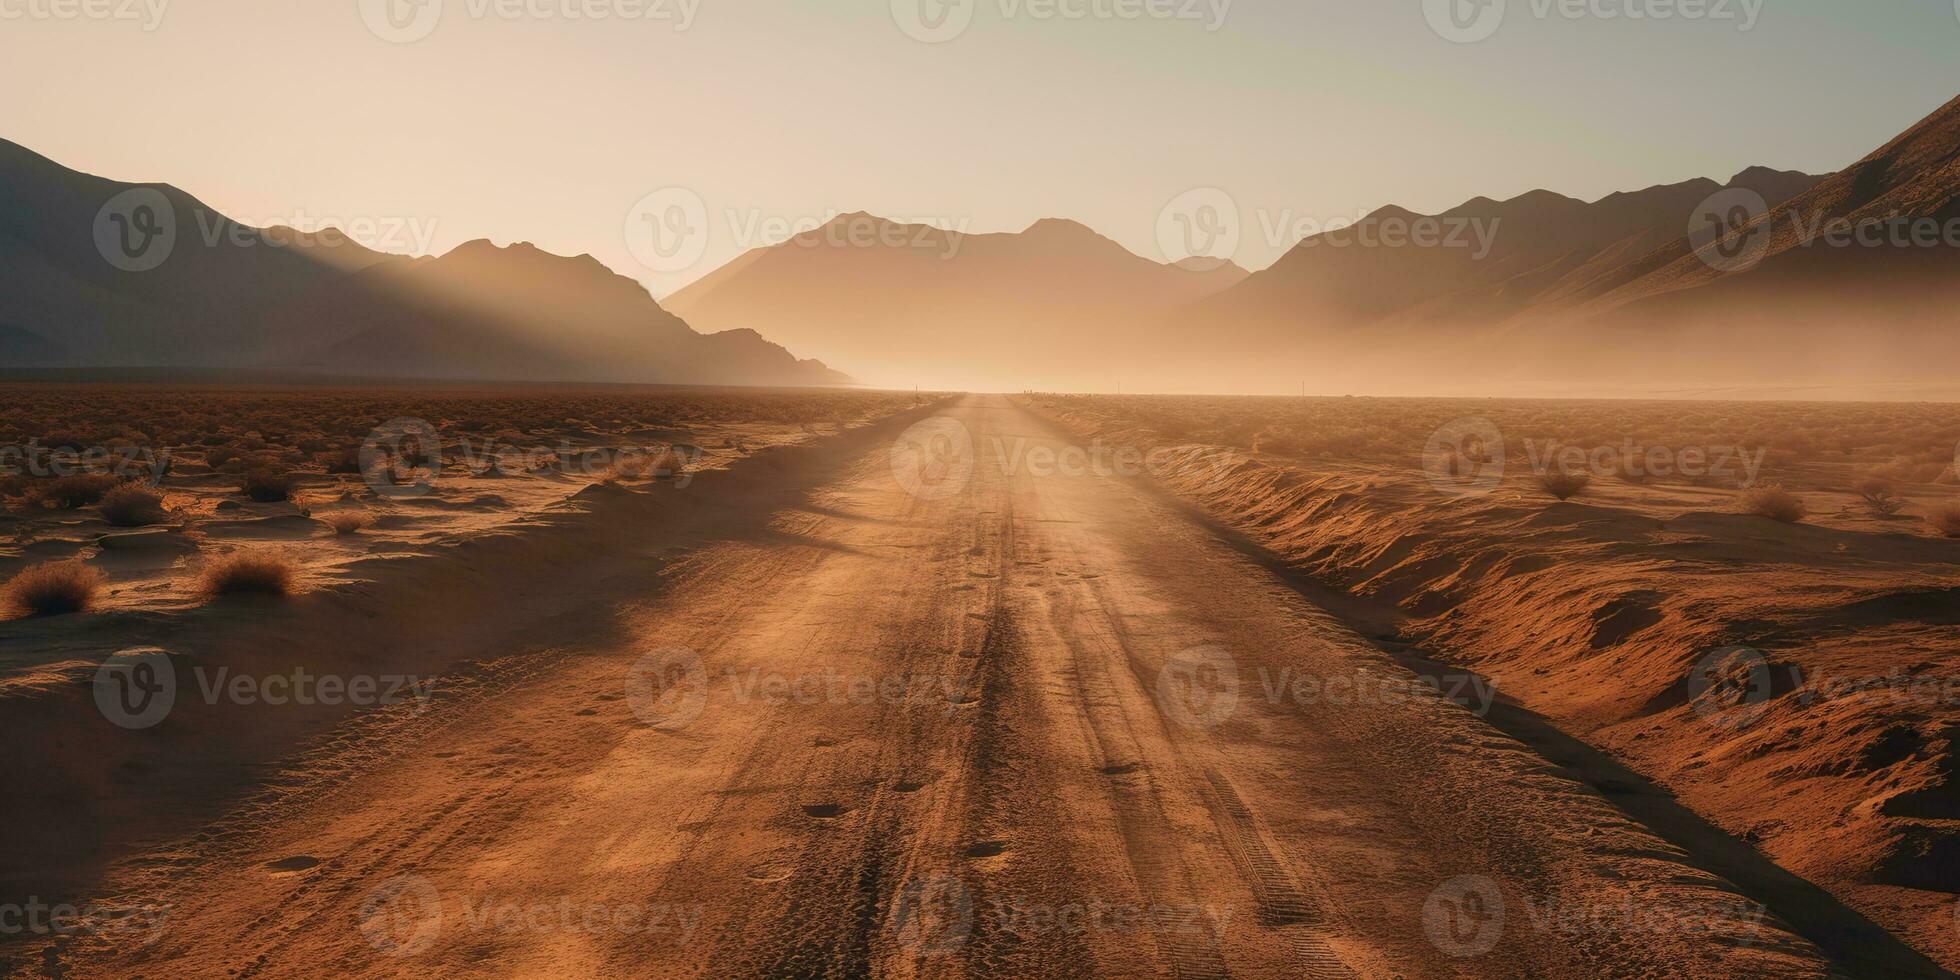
point(531, 120)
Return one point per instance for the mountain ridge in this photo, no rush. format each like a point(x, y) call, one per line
point(217, 293)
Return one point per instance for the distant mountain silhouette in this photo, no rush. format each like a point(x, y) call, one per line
point(1487, 260)
point(1910, 186)
point(1617, 292)
point(1054, 305)
point(225, 295)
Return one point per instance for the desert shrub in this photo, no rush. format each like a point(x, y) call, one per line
point(345, 522)
point(267, 485)
point(665, 464)
point(342, 461)
point(1945, 518)
point(1564, 485)
point(52, 589)
point(133, 505)
point(72, 491)
point(1772, 502)
point(248, 573)
point(1879, 496)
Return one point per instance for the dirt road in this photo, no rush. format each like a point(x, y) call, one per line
point(980, 705)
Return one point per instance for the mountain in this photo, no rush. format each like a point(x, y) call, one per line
point(1844, 279)
point(106, 274)
point(1884, 231)
point(1481, 261)
point(1056, 305)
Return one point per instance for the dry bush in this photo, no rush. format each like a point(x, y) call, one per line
point(1773, 502)
point(1945, 518)
point(663, 465)
point(267, 485)
point(52, 589)
point(345, 522)
point(346, 461)
point(248, 573)
point(73, 491)
point(1879, 496)
point(133, 505)
point(1564, 485)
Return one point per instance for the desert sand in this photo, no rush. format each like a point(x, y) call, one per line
point(831, 712)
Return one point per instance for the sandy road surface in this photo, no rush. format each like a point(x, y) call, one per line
point(1019, 721)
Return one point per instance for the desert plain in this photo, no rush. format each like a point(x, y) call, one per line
point(630, 682)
